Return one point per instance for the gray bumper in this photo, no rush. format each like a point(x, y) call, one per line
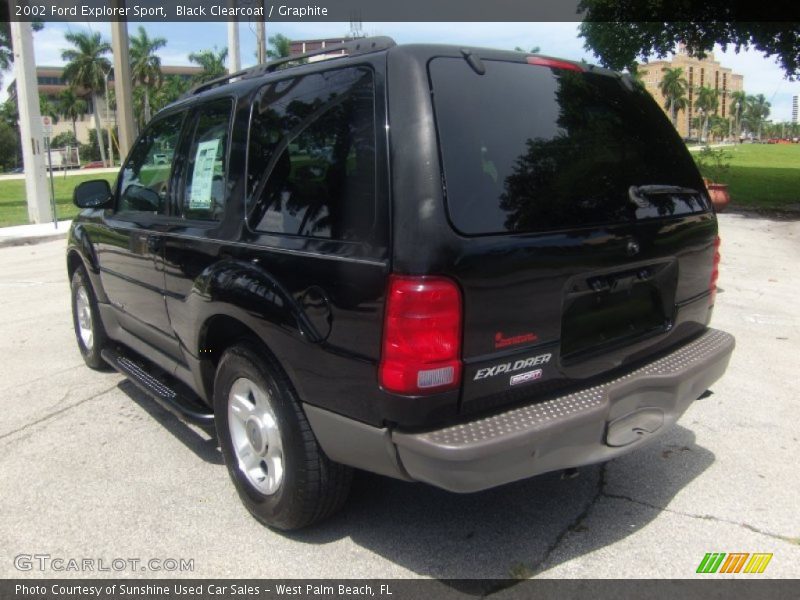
point(588, 426)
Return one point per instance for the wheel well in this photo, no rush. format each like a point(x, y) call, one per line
point(219, 333)
point(74, 261)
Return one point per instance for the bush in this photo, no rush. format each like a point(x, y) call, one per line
point(713, 164)
point(10, 153)
point(91, 151)
point(65, 138)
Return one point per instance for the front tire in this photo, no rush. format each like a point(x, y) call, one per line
point(280, 472)
point(89, 331)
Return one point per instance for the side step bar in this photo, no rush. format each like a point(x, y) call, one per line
point(182, 406)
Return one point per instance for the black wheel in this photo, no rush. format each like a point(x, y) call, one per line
point(89, 331)
point(282, 476)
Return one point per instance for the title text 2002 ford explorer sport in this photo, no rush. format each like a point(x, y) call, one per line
point(452, 265)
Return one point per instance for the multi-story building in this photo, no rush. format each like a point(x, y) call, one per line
point(51, 83)
point(794, 109)
point(697, 73)
point(302, 46)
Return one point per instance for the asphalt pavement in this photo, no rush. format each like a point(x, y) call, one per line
point(92, 469)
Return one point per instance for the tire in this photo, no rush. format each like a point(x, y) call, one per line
point(280, 472)
point(89, 331)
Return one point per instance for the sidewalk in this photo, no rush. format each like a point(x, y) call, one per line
point(32, 234)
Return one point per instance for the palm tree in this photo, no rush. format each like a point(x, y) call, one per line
point(213, 63)
point(146, 65)
point(756, 112)
point(673, 87)
point(281, 46)
point(172, 89)
point(47, 108)
point(86, 65)
point(707, 102)
point(718, 126)
point(71, 107)
point(737, 105)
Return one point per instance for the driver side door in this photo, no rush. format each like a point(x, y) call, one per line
point(129, 251)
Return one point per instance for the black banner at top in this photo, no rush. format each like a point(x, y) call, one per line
point(398, 10)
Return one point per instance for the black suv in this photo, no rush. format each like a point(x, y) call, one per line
point(450, 265)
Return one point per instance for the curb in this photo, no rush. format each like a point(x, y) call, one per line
point(31, 239)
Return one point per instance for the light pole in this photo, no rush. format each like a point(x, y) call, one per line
point(30, 123)
point(108, 127)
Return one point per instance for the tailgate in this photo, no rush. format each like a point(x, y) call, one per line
point(587, 236)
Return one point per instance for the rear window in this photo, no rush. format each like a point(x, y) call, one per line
point(528, 148)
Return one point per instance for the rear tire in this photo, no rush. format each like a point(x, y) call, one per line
point(280, 472)
point(89, 331)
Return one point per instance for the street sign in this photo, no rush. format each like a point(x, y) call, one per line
point(47, 126)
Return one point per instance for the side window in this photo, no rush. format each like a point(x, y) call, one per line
point(146, 176)
point(312, 156)
point(204, 189)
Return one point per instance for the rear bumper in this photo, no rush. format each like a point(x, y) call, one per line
point(587, 426)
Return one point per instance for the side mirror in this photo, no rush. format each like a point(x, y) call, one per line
point(92, 194)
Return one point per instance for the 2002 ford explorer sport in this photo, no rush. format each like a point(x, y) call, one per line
point(451, 265)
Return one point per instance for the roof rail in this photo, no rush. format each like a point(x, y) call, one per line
point(350, 48)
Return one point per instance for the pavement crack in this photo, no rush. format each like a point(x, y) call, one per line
point(48, 376)
point(573, 525)
point(754, 529)
point(55, 414)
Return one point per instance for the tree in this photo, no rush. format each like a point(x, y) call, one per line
point(6, 51)
point(756, 112)
point(213, 64)
point(281, 46)
point(718, 126)
point(71, 107)
point(86, 68)
point(706, 103)
point(146, 66)
point(47, 108)
point(171, 89)
point(9, 146)
point(620, 32)
point(737, 105)
point(673, 86)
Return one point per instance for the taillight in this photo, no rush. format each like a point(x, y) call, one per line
point(421, 336)
point(553, 63)
point(715, 271)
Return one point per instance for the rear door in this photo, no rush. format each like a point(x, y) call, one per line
point(586, 235)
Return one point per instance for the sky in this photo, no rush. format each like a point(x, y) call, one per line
point(762, 75)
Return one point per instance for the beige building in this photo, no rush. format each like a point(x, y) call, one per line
point(51, 83)
point(697, 73)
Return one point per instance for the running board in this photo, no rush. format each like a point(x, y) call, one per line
point(182, 406)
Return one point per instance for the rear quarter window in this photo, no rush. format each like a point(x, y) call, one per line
point(527, 148)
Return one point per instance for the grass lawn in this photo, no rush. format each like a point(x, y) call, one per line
point(14, 210)
point(765, 176)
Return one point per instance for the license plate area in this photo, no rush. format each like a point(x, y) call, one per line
point(609, 309)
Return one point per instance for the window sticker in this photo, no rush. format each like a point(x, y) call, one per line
point(203, 175)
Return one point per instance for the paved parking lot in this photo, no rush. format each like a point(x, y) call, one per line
point(91, 468)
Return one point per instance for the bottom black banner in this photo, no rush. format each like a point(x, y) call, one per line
point(391, 589)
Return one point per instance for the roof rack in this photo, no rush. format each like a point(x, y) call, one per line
point(350, 48)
